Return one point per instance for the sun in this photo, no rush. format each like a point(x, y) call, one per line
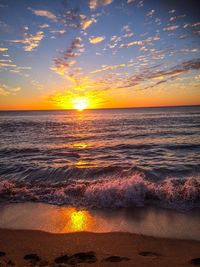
point(80, 104)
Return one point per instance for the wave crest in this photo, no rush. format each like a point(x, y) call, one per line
point(126, 192)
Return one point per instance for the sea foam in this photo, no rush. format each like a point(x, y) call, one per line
point(123, 192)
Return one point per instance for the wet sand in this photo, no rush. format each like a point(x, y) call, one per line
point(64, 219)
point(34, 234)
point(36, 248)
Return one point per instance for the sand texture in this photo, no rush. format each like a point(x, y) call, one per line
point(35, 248)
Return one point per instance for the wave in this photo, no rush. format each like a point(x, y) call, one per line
point(27, 173)
point(158, 146)
point(21, 152)
point(126, 192)
point(38, 173)
point(48, 153)
point(12, 151)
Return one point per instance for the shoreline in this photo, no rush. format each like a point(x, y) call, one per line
point(66, 219)
point(94, 249)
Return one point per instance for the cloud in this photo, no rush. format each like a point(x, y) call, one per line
point(31, 42)
point(6, 90)
point(96, 40)
point(153, 74)
point(16, 89)
point(3, 49)
point(196, 24)
point(93, 4)
point(171, 28)
point(3, 91)
point(67, 58)
point(5, 60)
point(151, 13)
point(69, 17)
point(142, 42)
point(7, 65)
point(126, 28)
point(24, 68)
point(166, 74)
point(43, 26)
point(44, 13)
point(37, 85)
point(172, 11)
point(189, 50)
point(172, 18)
point(62, 31)
point(112, 67)
point(131, 44)
point(85, 22)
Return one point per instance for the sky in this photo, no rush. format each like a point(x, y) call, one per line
point(64, 54)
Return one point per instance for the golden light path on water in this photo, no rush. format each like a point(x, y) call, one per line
point(78, 220)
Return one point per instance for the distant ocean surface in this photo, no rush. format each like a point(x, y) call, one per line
point(118, 158)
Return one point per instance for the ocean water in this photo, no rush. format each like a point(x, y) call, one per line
point(102, 159)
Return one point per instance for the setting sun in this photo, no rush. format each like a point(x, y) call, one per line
point(80, 104)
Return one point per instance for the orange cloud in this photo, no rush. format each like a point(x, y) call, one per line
point(93, 4)
point(96, 40)
point(85, 22)
point(31, 41)
point(5, 90)
point(3, 49)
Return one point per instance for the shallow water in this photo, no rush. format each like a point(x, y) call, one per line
point(103, 158)
point(55, 219)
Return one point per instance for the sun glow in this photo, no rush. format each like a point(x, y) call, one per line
point(80, 104)
point(77, 220)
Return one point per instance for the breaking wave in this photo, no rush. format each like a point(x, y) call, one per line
point(126, 192)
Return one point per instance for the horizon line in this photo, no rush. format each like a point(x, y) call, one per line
point(140, 107)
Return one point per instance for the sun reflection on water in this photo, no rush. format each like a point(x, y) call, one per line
point(80, 145)
point(78, 220)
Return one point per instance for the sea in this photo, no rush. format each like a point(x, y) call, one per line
point(106, 159)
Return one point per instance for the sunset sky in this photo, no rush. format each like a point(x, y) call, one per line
point(56, 54)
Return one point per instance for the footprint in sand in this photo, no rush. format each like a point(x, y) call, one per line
point(116, 259)
point(81, 257)
point(5, 262)
point(62, 259)
point(32, 258)
point(88, 257)
point(195, 261)
point(10, 263)
point(149, 254)
point(2, 254)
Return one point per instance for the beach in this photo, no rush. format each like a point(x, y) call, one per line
point(91, 238)
point(101, 249)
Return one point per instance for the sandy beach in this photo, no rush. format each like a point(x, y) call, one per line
point(36, 248)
